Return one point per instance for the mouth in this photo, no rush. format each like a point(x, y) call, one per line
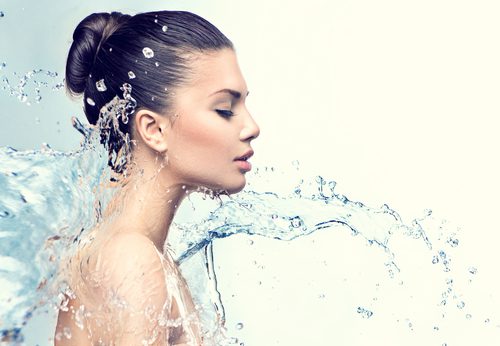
point(242, 162)
point(245, 156)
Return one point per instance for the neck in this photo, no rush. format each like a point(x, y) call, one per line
point(146, 204)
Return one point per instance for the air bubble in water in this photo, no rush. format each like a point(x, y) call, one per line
point(2, 65)
point(461, 305)
point(100, 85)
point(90, 101)
point(157, 64)
point(164, 28)
point(239, 326)
point(2, 14)
point(148, 52)
point(131, 75)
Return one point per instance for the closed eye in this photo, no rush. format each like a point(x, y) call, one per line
point(224, 113)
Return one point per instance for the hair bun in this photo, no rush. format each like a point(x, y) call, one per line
point(88, 38)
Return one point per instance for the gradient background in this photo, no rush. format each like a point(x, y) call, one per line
point(395, 100)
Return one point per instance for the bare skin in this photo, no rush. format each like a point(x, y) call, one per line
point(122, 277)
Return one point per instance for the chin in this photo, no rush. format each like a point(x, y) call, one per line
point(231, 188)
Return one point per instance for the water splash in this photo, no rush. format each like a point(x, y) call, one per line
point(28, 87)
point(49, 200)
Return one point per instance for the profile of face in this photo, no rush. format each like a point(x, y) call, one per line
point(208, 140)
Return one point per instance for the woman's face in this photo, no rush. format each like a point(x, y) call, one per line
point(211, 135)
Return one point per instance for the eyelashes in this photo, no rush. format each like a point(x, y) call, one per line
point(224, 113)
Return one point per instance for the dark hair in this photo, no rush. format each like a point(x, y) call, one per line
point(150, 51)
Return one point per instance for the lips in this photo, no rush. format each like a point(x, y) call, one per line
point(245, 156)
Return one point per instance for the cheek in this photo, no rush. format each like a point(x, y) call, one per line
point(201, 145)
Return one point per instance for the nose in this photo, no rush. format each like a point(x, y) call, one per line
point(250, 129)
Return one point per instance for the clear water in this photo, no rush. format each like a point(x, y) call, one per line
point(49, 199)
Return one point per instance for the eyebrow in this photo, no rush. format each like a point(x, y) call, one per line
point(234, 93)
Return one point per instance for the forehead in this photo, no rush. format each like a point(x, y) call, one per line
point(217, 70)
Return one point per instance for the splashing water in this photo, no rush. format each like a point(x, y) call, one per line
point(49, 200)
point(29, 86)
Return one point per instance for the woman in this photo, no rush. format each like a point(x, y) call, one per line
point(189, 129)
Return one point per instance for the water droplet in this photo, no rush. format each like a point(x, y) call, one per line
point(90, 101)
point(364, 312)
point(468, 316)
point(22, 97)
point(156, 20)
point(2, 14)
point(239, 326)
point(148, 52)
point(2, 65)
point(320, 180)
point(164, 28)
point(4, 213)
point(131, 75)
point(461, 305)
point(435, 259)
point(79, 317)
point(67, 333)
point(296, 222)
point(100, 85)
point(157, 64)
point(111, 49)
point(453, 242)
point(487, 320)
point(38, 98)
point(58, 86)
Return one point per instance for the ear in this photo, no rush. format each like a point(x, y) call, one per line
point(152, 129)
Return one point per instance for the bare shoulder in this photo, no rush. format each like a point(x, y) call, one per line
point(129, 263)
